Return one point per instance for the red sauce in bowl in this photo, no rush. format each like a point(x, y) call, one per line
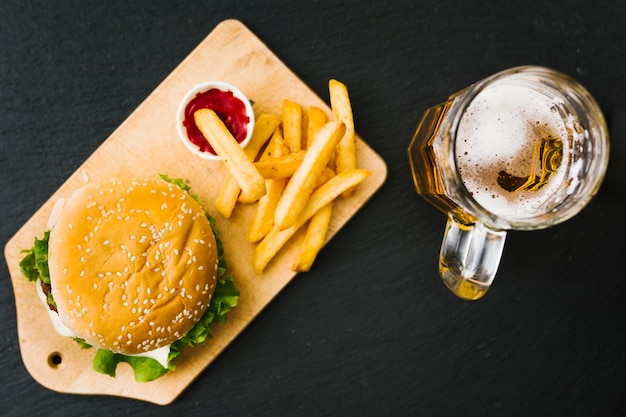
point(229, 109)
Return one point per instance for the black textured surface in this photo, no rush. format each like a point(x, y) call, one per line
point(370, 330)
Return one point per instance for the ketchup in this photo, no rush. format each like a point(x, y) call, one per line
point(228, 108)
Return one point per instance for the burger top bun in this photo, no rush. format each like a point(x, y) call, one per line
point(133, 264)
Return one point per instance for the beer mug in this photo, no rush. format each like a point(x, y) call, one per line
point(523, 149)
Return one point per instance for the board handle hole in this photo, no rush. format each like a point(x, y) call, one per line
point(55, 360)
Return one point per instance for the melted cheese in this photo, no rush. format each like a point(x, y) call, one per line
point(160, 355)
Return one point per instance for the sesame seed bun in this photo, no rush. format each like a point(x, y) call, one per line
point(133, 264)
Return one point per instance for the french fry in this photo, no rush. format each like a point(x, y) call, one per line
point(313, 239)
point(326, 174)
point(280, 166)
point(316, 120)
point(281, 147)
point(275, 147)
point(276, 238)
point(227, 148)
point(303, 181)
point(263, 219)
point(227, 197)
point(292, 125)
point(317, 226)
point(345, 158)
point(264, 126)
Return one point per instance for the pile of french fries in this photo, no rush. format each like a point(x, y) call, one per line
point(293, 173)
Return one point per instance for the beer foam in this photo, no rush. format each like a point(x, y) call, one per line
point(499, 133)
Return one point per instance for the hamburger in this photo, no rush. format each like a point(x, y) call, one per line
point(135, 269)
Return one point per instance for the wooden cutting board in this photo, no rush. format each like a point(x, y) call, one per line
point(144, 145)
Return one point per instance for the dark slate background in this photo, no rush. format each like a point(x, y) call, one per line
point(371, 330)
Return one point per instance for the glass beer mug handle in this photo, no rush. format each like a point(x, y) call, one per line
point(469, 257)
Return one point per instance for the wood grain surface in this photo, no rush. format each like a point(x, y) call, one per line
point(145, 145)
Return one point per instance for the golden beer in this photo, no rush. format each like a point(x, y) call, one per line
point(524, 149)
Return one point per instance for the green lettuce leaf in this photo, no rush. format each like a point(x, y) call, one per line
point(35, 264)
point(145, 369)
